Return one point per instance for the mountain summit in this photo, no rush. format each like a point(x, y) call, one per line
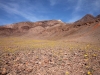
point(88, 26)
point(86, 18)
point(98, 16)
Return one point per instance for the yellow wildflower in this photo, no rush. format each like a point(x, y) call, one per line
point(67, 73)
point(89, 73)
point(85, 55)
point(94, 55)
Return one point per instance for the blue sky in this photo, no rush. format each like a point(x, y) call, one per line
point(12, 11)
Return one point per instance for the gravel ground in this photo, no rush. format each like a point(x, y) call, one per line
point(50, 61)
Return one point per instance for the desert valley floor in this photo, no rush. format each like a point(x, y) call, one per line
point(27, 56)
point(51, 47)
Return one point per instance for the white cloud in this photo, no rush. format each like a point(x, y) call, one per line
point(26, 11)
point(87, 6)
point(83, 7)
point(96, 5)
point(75, 13)
point(78, 6)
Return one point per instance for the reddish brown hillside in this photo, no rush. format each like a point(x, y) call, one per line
point(85, 28)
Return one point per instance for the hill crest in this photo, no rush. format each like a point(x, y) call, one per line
point(54, 29)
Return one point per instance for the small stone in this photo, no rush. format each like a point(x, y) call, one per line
point(4, 71)
point(39, 62)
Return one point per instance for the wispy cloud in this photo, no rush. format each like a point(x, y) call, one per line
point(96, 5)
point(78, 6)
point(82, 7)
point(35, 10)
point(27, 11)
point(87, 6)
point(76, 9)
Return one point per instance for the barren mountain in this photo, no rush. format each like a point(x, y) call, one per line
point(87, 27)
point(86, 18)
point(51, 47)
point(98, 16)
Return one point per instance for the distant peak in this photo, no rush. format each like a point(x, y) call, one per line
point(98, 16)
point(86, 18)
point(89, 16)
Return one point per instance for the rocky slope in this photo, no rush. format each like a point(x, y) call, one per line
point(72, 53)
point(55, 29)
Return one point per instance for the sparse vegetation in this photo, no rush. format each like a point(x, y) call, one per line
point(42, 57)
point(51, 47)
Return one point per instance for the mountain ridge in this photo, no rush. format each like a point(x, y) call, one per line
point(52, 29)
